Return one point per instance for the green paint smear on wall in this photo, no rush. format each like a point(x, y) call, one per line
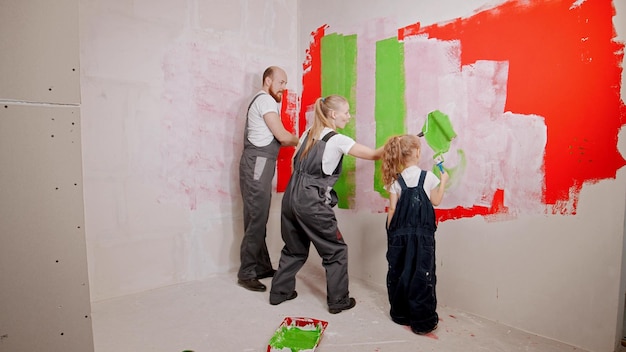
point(390, 104)
point(454, 172)
point(295, 338)
point(339, 77)
point(438, 132)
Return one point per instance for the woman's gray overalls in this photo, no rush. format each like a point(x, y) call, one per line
point(307, 216)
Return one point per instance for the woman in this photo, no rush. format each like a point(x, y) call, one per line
point(307, 215)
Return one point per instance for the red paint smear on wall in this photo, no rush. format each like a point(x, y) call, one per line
point(497, 207)
point(312, 77)
point(564, 65)
point(408, 31)
point(312, 89)
point(288, 116)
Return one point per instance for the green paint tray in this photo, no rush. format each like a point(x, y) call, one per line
point(297, 334)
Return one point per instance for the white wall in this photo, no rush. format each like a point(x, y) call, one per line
point(164, 87)
point(553, 275)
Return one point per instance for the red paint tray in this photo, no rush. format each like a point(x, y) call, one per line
point(297, 334)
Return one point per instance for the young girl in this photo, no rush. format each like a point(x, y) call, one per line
point(307, 215)
point(411, 229)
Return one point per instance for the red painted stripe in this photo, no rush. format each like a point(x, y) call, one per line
point(312, 88)
point(288, 115)
point(312, 77)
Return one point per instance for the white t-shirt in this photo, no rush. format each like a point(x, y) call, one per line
point(336, 147)
point(411, 176)
point(258, 133)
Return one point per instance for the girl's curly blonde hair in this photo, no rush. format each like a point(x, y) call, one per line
point(397, 151)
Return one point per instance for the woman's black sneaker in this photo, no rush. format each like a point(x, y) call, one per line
point(341, 309)
point(293, 295)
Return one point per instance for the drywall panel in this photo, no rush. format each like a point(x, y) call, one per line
point(39, 45)
point(44, 300)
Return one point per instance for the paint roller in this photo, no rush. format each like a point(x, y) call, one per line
point(438, 132)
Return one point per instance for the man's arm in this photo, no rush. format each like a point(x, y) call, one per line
point(275, 125)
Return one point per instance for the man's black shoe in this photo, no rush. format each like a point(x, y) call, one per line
point(266, 274)
point(293, 295)
point(339, 310)
point(252, 285)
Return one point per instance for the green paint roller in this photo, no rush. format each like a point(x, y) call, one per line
point(438, 132)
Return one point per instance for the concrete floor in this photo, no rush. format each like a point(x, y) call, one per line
point(218, 315)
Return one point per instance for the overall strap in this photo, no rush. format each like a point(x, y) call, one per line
point(329, 135)
point(422, 178)
point(401, 182)
point(247, 112)
point(252, 102)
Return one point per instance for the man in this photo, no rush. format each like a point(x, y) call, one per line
point(263, 136)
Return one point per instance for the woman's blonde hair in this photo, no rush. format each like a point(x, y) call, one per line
point(397, 151)
point(323, 106)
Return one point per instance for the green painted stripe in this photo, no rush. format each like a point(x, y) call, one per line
point(390, 104)
point(339, 77)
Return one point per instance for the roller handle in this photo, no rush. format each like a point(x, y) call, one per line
point(439, 162)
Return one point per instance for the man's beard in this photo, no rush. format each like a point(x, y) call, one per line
point(276, 95)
